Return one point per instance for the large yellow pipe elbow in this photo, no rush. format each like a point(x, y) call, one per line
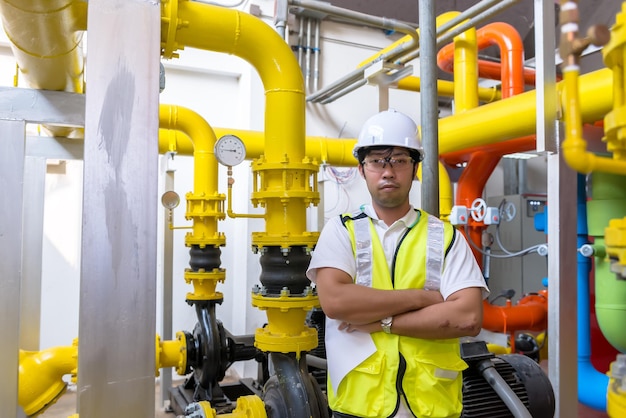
point(208, 27)
point(41, 376)
point(208, 210)
point(46, 41)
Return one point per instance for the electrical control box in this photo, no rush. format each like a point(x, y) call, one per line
point(517, 232)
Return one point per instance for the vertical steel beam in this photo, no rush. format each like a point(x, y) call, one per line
point(429, 107)
point(12, 148)
point(30, 311)
point(545, 70)
point(116, 354)
point(562, 296)
point(167, 162)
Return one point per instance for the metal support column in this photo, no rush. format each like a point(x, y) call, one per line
point(12, 150)
point(562, 296)
point(429, 107)
point(168, 273)
point(116, 351)
point(30, 311)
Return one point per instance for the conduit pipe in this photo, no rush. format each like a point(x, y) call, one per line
point(412, 41)
point(466, 20)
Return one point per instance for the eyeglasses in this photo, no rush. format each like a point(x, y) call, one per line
point(378, 165)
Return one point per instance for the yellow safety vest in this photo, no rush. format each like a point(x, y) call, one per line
point(427, 373)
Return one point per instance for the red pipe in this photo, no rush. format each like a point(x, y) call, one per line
point(479, 168)
point(530, 314)
point(531, 311)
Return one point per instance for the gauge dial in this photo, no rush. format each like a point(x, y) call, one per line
point(230, 150)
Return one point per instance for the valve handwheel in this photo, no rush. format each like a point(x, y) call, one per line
point(478, 209)
point(508, 212)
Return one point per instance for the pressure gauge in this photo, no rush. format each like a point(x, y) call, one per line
point(230, 150)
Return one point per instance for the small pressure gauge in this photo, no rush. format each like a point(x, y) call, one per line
point(230, 150)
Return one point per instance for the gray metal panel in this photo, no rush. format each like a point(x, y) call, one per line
point(116, 360)
point(12, 175)
point(562, 296)
point(34, 192)
point(54, 148)
point(42, 106)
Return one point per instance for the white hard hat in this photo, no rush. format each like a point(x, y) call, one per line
point(389, 128)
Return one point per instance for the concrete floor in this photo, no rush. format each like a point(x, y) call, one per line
point(66, 406)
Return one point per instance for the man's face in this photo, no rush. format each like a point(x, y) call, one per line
point(389, 175)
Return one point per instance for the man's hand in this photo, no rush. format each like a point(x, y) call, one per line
point(369, 328)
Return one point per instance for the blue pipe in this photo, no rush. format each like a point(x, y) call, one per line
point(592, 385)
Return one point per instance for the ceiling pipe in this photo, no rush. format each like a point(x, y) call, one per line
point(374, 21)
point(505, 120)
point(46, 39)
point(444, 34)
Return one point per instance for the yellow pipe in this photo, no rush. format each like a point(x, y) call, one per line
point(205, 203)
point(446, 89)
point(284, 166)
point(40, 381)
point(506, 119)
point(172, 354)
point(465, 67)
point(41, 376)
point(205, 206)
point(46, 41)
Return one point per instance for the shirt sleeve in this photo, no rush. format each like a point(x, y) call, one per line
point(333, 249)
point(461, 269)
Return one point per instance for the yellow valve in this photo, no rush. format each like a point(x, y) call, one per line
point(204, 284)
point(285, 331)
point(172, 354)
point(615, 239)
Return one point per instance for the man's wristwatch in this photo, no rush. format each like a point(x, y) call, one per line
point(386, 323)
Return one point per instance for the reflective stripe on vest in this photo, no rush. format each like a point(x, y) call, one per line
point(434, 252)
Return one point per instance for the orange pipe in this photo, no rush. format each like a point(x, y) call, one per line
point(523, 144)
point(531, 311)
point(530, 314)
point(479, 167)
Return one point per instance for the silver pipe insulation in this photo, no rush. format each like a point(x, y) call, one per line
point(429, 108)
